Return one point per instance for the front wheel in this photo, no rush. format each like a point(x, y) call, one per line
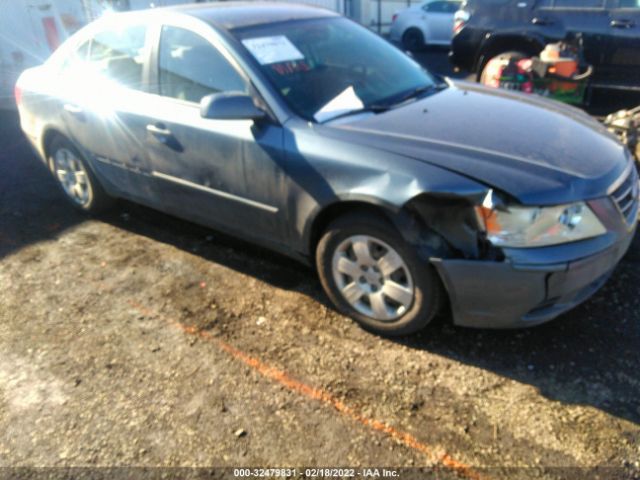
point(372, 275)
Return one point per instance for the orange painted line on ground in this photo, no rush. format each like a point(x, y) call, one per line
point(325, 397)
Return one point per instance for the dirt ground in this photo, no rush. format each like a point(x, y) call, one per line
point(136, 339)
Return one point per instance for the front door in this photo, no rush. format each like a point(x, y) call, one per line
point(223, 173)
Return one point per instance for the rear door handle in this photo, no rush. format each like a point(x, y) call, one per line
point(159, 131)
point(623, 23)
point(542, 21)
point(73, 110)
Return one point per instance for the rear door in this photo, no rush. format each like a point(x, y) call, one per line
point(623, 62)
point(223, 173)
point(104, 97)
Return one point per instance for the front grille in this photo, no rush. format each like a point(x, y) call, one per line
point(626, 197)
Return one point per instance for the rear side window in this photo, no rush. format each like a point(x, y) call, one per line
point(190, 67)
point(119, 54)
point(441, 7)
point(77, 57)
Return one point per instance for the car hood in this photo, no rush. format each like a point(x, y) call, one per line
point(540, 152)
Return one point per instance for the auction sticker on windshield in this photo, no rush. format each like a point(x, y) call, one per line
point(274, 49)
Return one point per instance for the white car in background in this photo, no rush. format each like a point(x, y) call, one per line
point(430, 23)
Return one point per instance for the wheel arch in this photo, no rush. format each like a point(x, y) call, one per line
point(496, 44)
point(48, 135)
point(319, 222)
point(417, 25)
point(420, 29)
point(419, 221)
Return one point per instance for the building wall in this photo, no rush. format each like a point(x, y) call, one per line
point(31, 31)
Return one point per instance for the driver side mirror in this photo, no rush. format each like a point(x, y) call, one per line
point(230, 106)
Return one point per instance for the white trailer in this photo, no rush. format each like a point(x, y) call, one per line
point(30, 30)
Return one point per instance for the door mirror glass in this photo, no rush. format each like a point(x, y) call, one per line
point(230, 106)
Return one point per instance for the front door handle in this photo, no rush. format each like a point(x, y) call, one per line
point(163, 135)
point(622, 23)
point(542, 21)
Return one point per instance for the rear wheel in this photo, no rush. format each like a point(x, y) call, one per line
point(371, 274)
point(413, 40)
point(75, 178)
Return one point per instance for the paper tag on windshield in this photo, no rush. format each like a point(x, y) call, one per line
point(274, 49)
point(345, 102)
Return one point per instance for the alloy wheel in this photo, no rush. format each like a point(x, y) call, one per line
point(72, 175)
point(373, 278)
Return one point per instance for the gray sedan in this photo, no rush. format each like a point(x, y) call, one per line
point(405, 190)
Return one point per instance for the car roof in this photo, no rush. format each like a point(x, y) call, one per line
point(232, 15)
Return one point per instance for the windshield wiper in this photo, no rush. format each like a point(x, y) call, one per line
point(383, 106)
point(370, 108)
point(415, 93)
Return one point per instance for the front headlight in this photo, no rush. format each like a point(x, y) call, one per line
point(520, 227)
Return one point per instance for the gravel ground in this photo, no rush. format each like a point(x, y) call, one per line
point(136, 339)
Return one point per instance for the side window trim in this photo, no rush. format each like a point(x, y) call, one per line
point(214, 37)
point(191, 67)
point(152, 63)
point(144, 56)
point(155, 64)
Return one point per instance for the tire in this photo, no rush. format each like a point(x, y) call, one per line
point(413, 40)
point(506, 56)
point(335, 254)
point(75, 178)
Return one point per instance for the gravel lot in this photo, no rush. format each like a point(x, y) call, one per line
point(136, 339)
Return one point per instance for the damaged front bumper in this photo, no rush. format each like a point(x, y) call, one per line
point(531, 286)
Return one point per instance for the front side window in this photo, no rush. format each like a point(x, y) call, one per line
point(325, 65)
point(441, 7)
point(118, 53)
point(190, 67)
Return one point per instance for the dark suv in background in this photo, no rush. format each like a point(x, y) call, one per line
point(610, 32)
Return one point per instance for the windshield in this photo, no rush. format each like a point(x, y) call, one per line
point(326, 67)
